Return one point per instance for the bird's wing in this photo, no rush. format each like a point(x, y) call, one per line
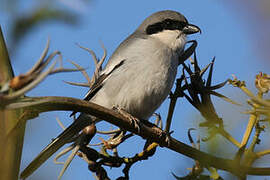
point(99, 83)
point(101, 80)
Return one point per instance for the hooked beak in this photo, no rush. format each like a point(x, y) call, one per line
point(191, 29)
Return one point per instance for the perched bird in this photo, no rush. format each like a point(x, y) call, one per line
point(137, 78)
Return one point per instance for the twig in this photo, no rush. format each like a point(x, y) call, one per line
point(252, 121)
point(263, 153)
point(29, 86)
point(77, 84)
point(42, 57)
point(83, 72)
point(109, 132)
point(60, 123)
point(68, 161)
point(60, 154)
point(173, 96)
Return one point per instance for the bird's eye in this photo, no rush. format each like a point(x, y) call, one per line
point(173, 24)
point(181, 25)
point(168, 22)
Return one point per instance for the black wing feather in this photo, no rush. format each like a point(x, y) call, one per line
point(98, 85)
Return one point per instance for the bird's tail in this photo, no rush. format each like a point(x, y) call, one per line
point(82, 121)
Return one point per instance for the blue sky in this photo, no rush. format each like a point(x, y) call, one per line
point(226, 34)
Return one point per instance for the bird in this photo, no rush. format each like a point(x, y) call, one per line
point(138, 76)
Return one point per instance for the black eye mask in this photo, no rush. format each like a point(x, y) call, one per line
point(167, 24)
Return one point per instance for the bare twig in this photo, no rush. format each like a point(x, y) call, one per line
point(83, 73)
point(29, 86)
point(63, 152)
point(68, 161)
point(109, 132)
point(173, 96)
point(40, 60)
point(77, 84)
point(25, 82)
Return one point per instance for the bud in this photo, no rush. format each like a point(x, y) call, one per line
point(262, 82)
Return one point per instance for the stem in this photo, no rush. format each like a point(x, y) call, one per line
point(251, 123)
point(226, 135)
point(263, 153)
point(252, 119)
point(11, 128)
point(173, 101)
point(170, 113)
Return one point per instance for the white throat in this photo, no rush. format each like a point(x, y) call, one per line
point(174, 39)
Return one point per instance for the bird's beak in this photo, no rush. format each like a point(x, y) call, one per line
point(191, 29)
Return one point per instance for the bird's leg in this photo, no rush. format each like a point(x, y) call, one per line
point(135, 121)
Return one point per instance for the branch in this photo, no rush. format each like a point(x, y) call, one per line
point(147, 130)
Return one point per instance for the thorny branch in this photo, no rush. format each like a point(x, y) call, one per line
point(25, 82)
point(199, 92)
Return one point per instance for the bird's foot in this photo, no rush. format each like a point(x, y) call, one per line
point(168, 137)
point(135, 121)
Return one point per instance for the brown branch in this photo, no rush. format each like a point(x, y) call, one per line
point(147, 130)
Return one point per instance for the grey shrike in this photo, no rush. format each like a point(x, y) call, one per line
point(137, 78)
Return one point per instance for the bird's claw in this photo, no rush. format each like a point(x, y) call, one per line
point(168, 137)
point(135, 121)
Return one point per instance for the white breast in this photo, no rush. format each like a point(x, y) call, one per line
point(145, 79)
